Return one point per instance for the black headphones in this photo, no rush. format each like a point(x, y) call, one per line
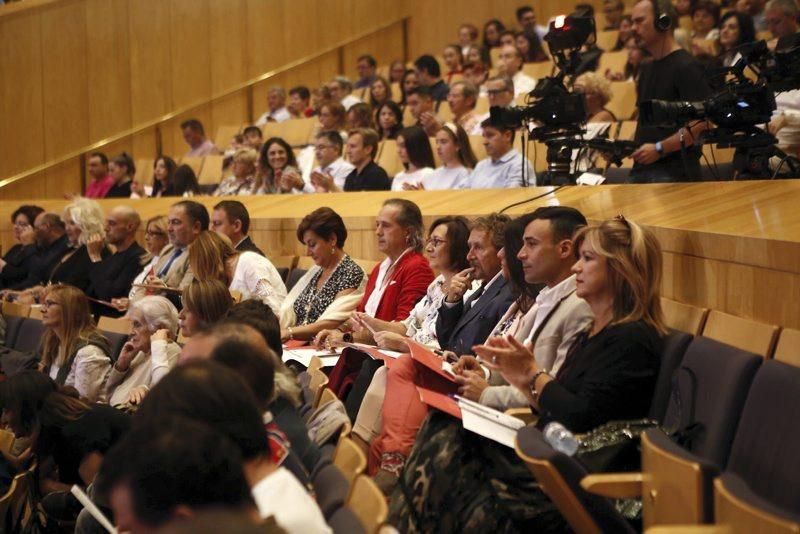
point(661, 19)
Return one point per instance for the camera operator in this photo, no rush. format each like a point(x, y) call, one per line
point(673, 75)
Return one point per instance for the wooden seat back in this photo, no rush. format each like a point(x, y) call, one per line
point(746, 334)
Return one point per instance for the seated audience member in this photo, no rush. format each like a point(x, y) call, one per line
point(253, 137)
point(101, 180)
point(625, 32)
point(187, 219)
point(396, 71)
point(327, 294)
point(530, 47)
point(461, 323)
point(421, 105)
point(597, 91)
point(332, 117)
point(231, 219)
point(457, 157)
point(636, 56)
point(526, 19)
point(277, 167)
point(476, 73)
point(205, 302)
point(389, 120)
point(609, 374)
point(73, 352)
point(69, 436)
point(146, 494)
point(491, 38)
point(430, 75)
point(380, 92)
point(393, 287)
point(500, 92)
point(507, 38)
point(52, 244)
point(14, 265)
point(243, 180)
point(414, 152)
point(276, 102)
point(755, 10)
point(195, 136)
point(111, 277)
point(613, 11)
point(467, 38)
point(408, 84)
point(212, 256)
point(781, 17)
point(186, 184)
point(362, 145)
point(209, 392)
point(735, 29)
point(366, 66)
point(83, 220)
point(163, 178)
point(155, 241)
point(340, 88)
point(462, 99)
point(122, 169)
point(454, 61)
point(705, 19)
point(504, 165)
point(148, 355)
point(332, 170)
point(510, 64)
point(359, 116)
point(299, 105)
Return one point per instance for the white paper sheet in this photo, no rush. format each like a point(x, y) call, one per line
point(488, 422)
point(303, 356)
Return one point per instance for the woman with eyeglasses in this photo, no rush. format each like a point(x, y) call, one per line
point(155, 240)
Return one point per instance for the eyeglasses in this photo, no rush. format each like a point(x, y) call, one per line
point(496, 91)
point(435, 241)
point(322, 147)
point(150, 233)
point(21, 225)
point(50, 303)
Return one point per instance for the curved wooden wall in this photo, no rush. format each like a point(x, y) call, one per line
point(74, 72)
point(732, 246)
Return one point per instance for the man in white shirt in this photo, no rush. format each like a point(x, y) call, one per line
point(504, 165)
point(332, 171)
point(340, 88)
point(510, 63)
point(276, 100)
point(462, 98)
point(526, 18)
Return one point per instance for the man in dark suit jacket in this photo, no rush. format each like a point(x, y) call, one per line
point(231, 218)
point(462, 322)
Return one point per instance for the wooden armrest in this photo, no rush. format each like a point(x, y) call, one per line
point(688, 529)
point(525, 414)
point(614, 485)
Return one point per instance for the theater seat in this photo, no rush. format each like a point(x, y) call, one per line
point(29, 335)
point(116, 341)
point(294, 277)
point(331, 488)
point(674, 347)
point(13, 324)
point(344, 521)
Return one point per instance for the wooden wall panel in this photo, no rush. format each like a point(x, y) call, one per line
point(21, 117)
point(150, 36)
point(108, 67)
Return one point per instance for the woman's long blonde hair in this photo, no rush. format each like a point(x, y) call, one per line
point(634, 269)
point(76, 320)
point(209, 255)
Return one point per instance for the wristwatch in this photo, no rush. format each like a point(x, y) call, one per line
point(660, 148)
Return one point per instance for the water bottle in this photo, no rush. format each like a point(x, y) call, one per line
point(560, 438)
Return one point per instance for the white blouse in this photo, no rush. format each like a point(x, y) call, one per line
point(256, 278)
point(444, 178)
point(88, 373)
point(144, 370)
point(410, 177)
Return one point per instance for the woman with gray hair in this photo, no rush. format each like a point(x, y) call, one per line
point(83, 219)
point(148, 355)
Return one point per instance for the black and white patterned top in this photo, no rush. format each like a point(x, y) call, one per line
point(312, 302)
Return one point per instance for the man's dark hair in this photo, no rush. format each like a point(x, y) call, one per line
point(522, 10)
point(494, 223)
point(429, 64)
point(564, 221)
point(253, 129)
point(29, 211)
point(258, 315)
point(103, 157)
point(301, 91)
point(334, 138)
point(209, 392)
point(410, 217)
point(196, 212)
point(125, 160)
point(255, 367)
point(422, 92)
point(369, 59)
point(175, 461)
point(195, 125)
point(499, 125)
point(235, 211)
point(585, 10)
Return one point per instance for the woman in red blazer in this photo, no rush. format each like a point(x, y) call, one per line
point(393, 288)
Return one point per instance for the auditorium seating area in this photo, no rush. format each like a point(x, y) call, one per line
point(286, 355)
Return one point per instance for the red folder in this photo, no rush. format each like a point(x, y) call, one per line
point(295, 344)
point(440, 401)
point(428, 358)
